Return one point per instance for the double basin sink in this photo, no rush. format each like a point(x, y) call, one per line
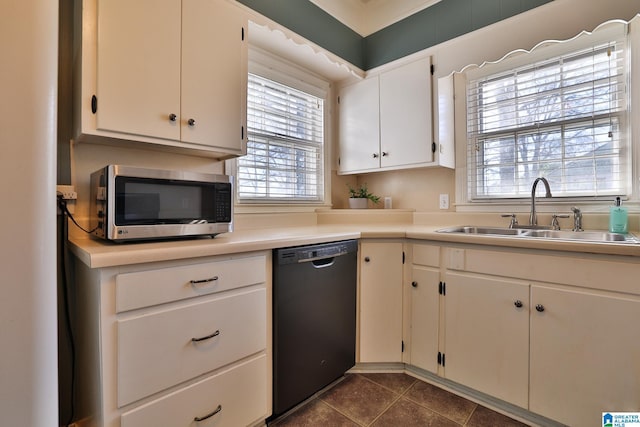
point(544, 233)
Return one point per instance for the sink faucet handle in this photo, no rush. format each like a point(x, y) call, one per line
point(554, 220)
point(513, 222)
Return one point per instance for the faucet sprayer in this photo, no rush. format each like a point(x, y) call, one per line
point(577, 219)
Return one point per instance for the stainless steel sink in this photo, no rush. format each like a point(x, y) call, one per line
point(471, 229)
point(542, 232)
point(591, 236)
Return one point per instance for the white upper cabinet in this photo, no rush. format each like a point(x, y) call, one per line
point(360, 126)
point(386, 121)
point(214, 74)
point(406, 135)
point(138, 67)
point(167, 72)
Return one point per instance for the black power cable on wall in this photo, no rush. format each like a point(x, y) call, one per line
point(64, 300)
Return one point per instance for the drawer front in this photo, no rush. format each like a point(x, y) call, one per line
point(152, 287)
point(426, 255)
point(156, 351)
point(240, 393)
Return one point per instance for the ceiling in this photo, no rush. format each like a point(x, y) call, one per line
point(368, 16)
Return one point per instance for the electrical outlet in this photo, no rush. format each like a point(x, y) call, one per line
point(444, 201)
point(68, 192)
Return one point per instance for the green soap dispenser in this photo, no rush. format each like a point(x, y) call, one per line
point(618, 218)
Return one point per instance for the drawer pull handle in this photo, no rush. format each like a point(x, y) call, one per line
point(215, 411)
point(215, 334)
point(210, 279)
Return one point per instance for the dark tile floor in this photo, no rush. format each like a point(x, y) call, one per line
point(397, 399)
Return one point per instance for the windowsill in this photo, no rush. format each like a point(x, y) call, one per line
point(544, 205)
point(262, 208)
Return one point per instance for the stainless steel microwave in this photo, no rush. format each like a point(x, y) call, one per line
point(131, 203)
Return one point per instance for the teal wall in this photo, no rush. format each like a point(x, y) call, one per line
point(436, 24)
point(314, 24)
point(441, 22)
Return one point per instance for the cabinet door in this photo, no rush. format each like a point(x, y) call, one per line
point(214, 74)
point(487, 335)
point(585, 355)
point(405, 115)
point(425, 312)
point(359, 127)
point(380, 302)
point(138, 70)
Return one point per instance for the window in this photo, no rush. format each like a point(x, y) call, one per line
point(563, 118)
point(285, 149)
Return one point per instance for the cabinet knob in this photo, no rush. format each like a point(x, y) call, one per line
point(375, 155)
point(191, 122)
point(414, 284)
point(384, 154)
point(539, 308)
point(367, 259)
point(518, 303)
point(172, 117)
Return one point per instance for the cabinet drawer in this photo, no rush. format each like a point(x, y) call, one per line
point(147, 288)
point(156, 351)
point(240, 392)
point(426, 255)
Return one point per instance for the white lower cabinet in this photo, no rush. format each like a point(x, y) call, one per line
point(192, 340)
point(230, 398)
point(555, 334)
point(175, 343)
point(380, 302)
point(487, 335)
point(425, 307)
point(585, 354)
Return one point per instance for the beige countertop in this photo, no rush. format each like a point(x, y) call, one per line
point(96, 253)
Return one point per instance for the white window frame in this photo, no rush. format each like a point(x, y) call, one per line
point(271, 67)
point(546, 50)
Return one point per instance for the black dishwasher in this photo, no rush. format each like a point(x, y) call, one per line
point(314, 319)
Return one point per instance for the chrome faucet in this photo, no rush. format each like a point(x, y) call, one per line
point(577, 219)
point(533, 217)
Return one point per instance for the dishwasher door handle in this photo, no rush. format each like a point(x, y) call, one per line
point(323, 262)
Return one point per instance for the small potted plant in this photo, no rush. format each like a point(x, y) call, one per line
point(359, 196)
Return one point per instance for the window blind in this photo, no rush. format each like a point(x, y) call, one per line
point(285, 155)
point(562, 118)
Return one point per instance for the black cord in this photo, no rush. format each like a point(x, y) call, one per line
point(67, 308)
point(62, 204)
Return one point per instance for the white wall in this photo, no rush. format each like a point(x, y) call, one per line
point(28, 86)
point(89, 157)
point(560, 19)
